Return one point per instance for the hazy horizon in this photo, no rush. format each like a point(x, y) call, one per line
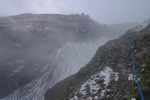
point(104, 11)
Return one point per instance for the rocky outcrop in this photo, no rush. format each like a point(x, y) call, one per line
point(115, 54)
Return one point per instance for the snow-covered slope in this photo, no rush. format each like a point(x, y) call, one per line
point(66, 61)
point(95, 87)
point(29, 41)
point(52, 46)
point(94, 81)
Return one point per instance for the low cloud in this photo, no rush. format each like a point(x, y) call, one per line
point(105, 11)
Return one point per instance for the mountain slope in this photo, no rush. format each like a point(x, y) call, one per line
point(67, 61)
point(28, 41)
point(36, 47)
point(114, 56)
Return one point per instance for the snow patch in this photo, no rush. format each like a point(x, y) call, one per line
point(96, 86)
point(130, 77)
point(133, 99)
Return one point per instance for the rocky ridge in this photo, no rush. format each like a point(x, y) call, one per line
point(115, 54)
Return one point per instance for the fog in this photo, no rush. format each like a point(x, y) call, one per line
point(55, 38)
point(34, 44)
point(104, 11)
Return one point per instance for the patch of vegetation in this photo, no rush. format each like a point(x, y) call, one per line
point(143, 69)
point(144, 72)
point(142, 41)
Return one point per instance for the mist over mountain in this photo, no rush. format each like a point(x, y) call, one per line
point(39, 50)
point(121, 28)
point(109, 75)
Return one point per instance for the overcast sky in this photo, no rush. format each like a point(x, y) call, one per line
point(105, 11)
